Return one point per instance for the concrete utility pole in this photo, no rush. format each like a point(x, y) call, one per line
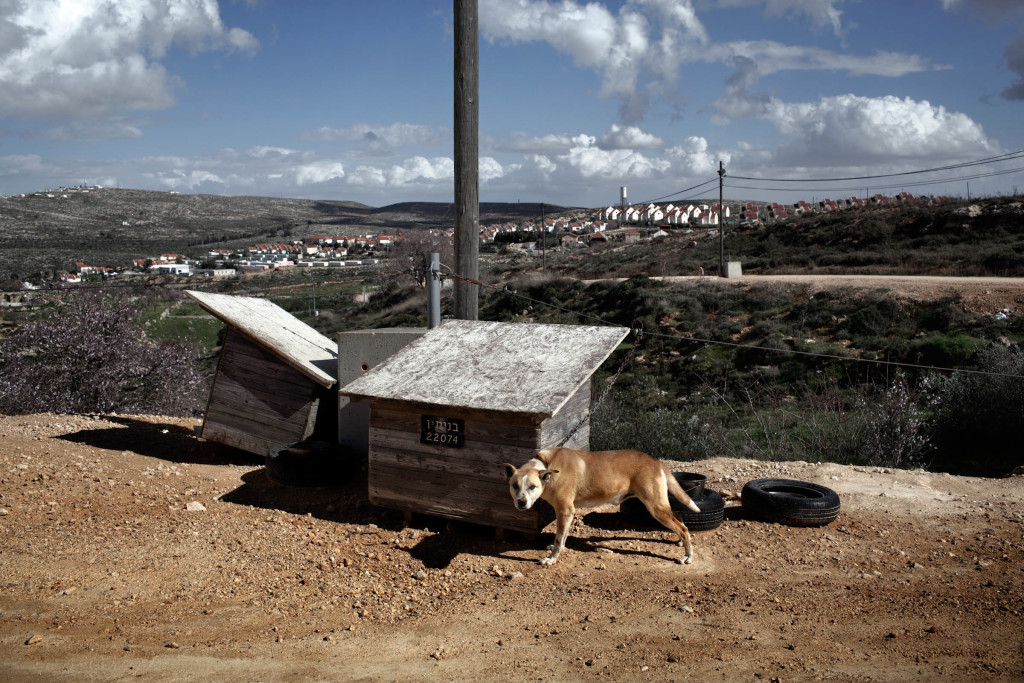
point(312, 278)
point(467, 172)
point(433, 282)
point(543, 239)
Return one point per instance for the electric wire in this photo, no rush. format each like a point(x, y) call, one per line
point(575, 213)
point(996, 159)
point(688, 189)
point(648, 333)
point(890, 186)
point(697, 340)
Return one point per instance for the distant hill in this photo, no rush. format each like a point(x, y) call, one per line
point(50, 230)
point(504, 210)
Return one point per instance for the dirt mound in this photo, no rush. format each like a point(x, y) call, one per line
point(129, 551)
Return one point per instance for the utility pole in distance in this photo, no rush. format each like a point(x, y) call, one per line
point(721, 222)
point(467, 171)
point(543, 239)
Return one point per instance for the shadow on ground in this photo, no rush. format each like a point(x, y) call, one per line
point(346, 503)
point(169, 442)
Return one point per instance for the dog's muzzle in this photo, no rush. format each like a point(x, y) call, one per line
point(522, 504)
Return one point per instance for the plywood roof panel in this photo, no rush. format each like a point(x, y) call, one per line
point(269, 325)
point(510, 367)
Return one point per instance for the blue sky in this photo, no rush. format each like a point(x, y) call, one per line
point(352, 99)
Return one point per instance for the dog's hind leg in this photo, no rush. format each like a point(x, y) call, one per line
point(564, 519)
point(663, 513)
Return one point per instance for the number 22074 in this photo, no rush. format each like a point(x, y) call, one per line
point(442, 431)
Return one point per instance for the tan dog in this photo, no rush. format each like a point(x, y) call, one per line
point(567, 478)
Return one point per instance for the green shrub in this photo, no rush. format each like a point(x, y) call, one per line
point(944, 351)
point(632, 417)
point(871, 317)
point(896, 428)
point(980, 417)
point(942, 315)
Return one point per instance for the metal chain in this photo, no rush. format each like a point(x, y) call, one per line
point(638, 330)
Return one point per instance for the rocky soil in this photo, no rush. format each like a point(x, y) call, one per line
point(128, 550)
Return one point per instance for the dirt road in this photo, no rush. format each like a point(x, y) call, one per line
point(977, 294)
point(126, 552)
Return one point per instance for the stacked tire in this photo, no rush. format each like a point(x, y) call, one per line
point(787, 501)
point(712, 507)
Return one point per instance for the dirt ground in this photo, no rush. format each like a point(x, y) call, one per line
point(128, 551)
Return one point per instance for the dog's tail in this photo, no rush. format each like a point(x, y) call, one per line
point(678, 493)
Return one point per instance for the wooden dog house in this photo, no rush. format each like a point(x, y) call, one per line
point(275, 377)
point(449, 408)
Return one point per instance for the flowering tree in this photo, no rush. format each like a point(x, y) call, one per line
point(91, 353)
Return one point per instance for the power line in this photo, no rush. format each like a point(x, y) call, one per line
point(574, 213)
point(508, 290)
point(891, 186)
point(1002, 157)
point(697, 340)
point(651, 201)
point(833, 356)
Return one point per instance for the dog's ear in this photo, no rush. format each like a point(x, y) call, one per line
point(508, 469)
point(547, 475)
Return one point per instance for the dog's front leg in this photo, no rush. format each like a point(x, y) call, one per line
point(564, 524)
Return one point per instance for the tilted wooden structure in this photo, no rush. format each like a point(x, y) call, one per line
point(450, 407)
point(275, 377)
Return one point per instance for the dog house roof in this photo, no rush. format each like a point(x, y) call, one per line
point(270, 326)
point(508, 367)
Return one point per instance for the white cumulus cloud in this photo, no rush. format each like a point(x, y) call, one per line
point(90, 58)
point(629, 137)
point(319, 172)
point(650, 37)
point(489, 169)
point(543, 164)
point(639, 51)
point(693, 157)
point(850, 130)
point(591, 161)
point(421, 170)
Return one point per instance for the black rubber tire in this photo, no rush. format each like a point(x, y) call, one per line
point(711, 515)
point(310, 463)
point(787, 501)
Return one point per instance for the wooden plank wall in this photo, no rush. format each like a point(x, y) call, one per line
point(462, 483)
point(574, 415)
point(258, 403)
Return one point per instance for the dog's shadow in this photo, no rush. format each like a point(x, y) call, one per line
point(590, 544)
point(627, 532)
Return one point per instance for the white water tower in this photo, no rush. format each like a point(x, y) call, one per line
point(622, 197)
